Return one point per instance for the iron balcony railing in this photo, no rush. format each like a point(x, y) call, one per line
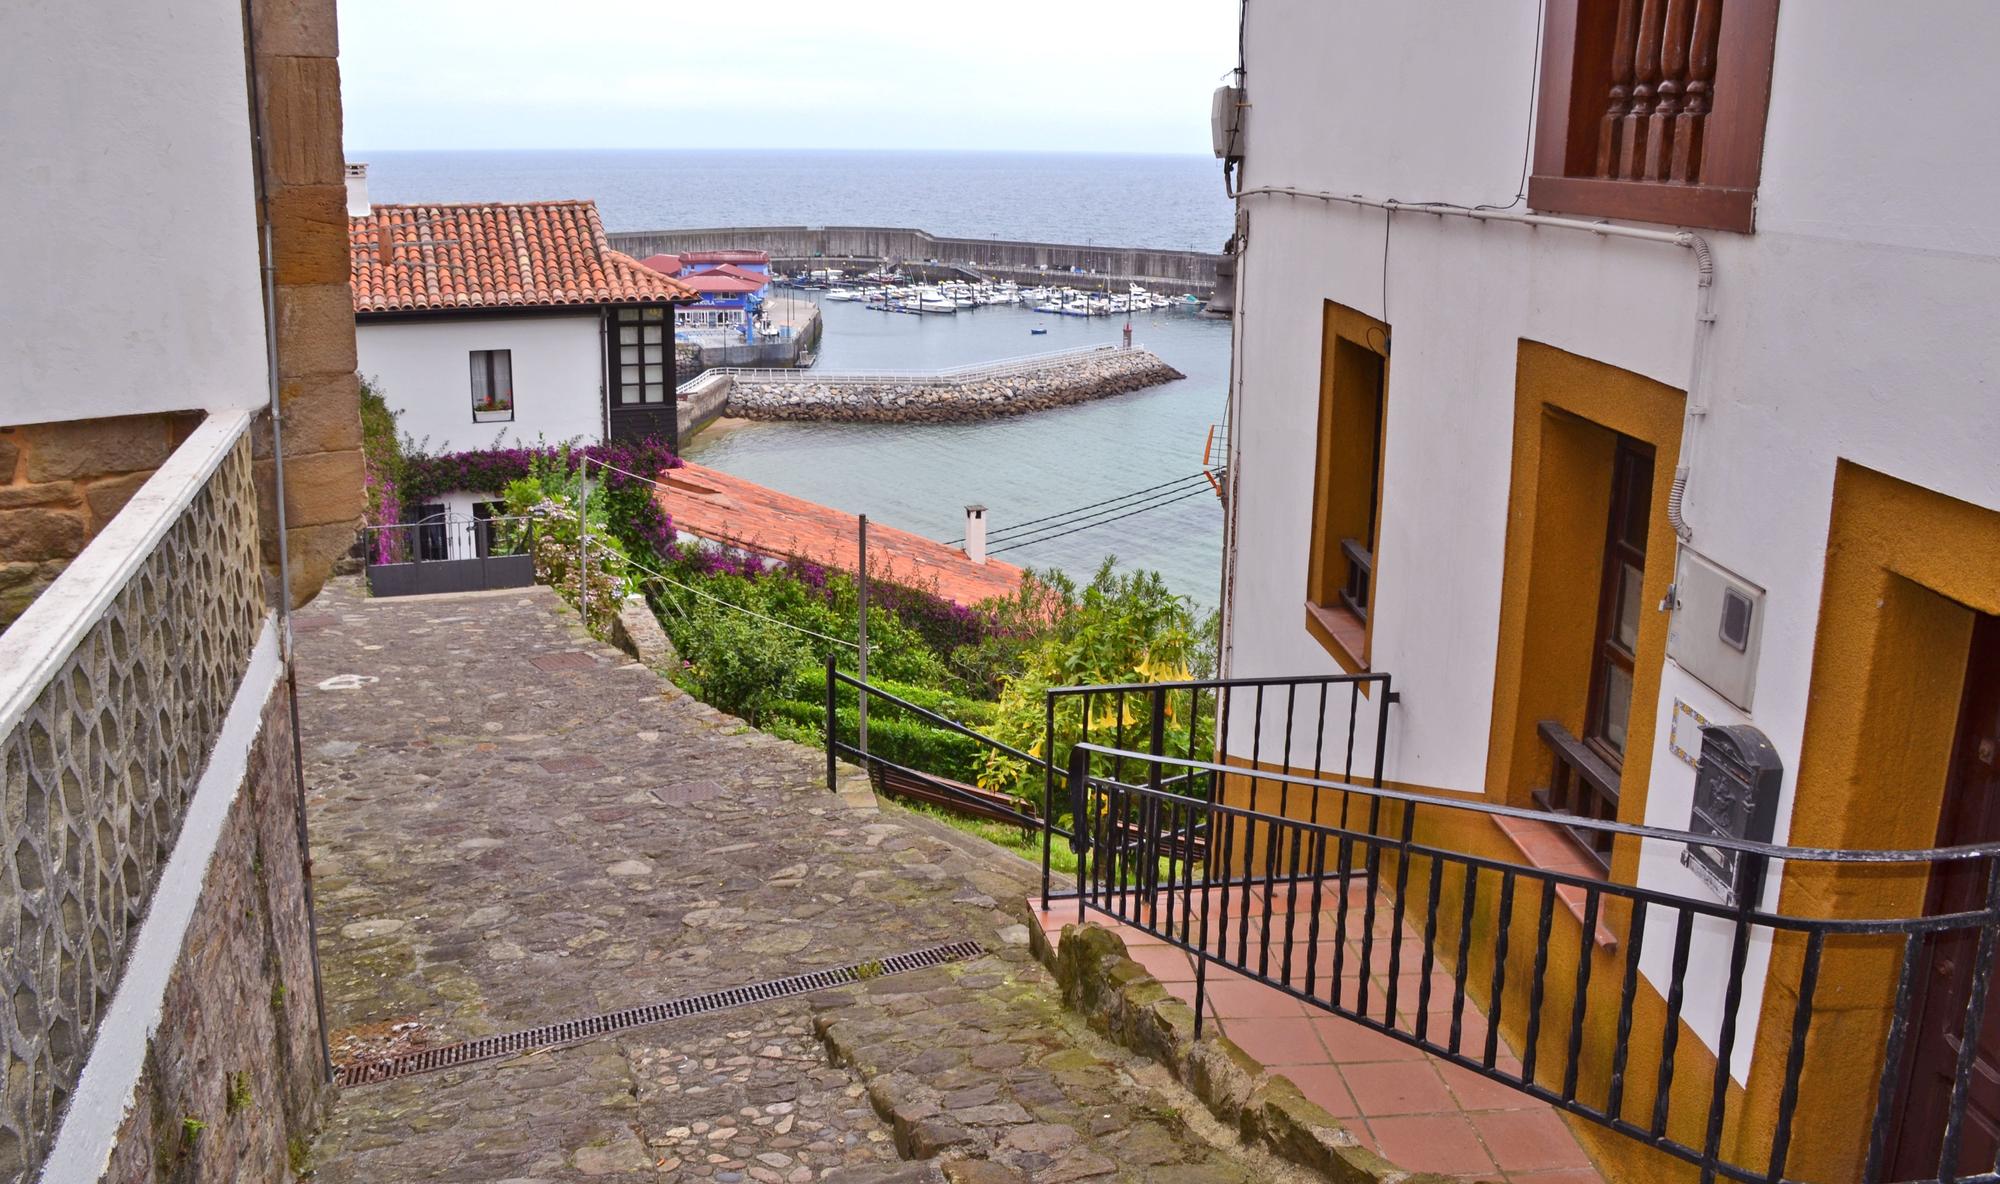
point(1319, 887)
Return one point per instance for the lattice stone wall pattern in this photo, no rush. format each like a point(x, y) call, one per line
point(95, 780)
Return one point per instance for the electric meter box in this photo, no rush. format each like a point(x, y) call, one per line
point(1717, 626)
point(1225, 122)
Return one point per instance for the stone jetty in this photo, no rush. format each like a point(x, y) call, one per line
point(952, 399)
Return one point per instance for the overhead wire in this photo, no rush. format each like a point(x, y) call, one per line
point(1077, 511)
point(1118, 517)
point(737, 607)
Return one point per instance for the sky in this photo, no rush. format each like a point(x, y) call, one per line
point(1010, 75)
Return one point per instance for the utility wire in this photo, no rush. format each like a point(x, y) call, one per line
point(1018, 527)
point(737, 607)
point(1166, 501)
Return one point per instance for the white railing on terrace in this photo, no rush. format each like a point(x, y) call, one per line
point(114, 688)
point(949, 375)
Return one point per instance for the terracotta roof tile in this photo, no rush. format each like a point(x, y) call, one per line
point(713, 505)
point(494, 255)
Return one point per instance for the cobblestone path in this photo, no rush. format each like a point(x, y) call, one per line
point(514, 825)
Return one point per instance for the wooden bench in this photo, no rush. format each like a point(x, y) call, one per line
point(1189, 848)
point(956, 796)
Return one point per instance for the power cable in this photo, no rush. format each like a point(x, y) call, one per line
point(1167, 501)
point(737, 607)
point(1018, 527)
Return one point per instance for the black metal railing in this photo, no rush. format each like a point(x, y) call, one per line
point(1316, 904)
point(449, 553)
point(1582, 784)
point(928, 784)
point(447, 537)
point(1360, 574)
point(1288, 720)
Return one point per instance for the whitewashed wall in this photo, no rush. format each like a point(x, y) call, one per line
point(423, 369)
point(130, 237)
point(1856, 322)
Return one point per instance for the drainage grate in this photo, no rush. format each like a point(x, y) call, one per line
point(486, 1048)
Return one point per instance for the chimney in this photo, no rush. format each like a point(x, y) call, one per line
point(975, 534)
point(357, 191)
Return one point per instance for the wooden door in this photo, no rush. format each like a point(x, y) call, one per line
point(1971, 814)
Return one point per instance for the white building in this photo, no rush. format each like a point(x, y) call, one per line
point(1728, 270)
point(514, 322)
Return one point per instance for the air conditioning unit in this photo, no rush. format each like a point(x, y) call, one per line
point(1225, 122)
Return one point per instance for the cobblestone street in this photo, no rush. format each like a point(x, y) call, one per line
point(514, 825)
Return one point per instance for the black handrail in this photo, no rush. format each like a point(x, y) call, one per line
point(1225, 910)
point(1210, 703)
point(836, 677)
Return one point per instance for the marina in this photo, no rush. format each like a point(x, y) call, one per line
point(883, 294)
point(922, 475)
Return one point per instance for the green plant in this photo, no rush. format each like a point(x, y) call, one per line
point(298, 1155)
point(1119, 628)
point(737, 663)
point(191, 1129)
point(239, 1097)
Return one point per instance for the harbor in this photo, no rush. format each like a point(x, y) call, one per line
point(922, 475)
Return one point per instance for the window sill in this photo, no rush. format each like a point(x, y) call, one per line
point(1705, 207)
point(1342, 634)
point(493, 417)
point(1545, 847)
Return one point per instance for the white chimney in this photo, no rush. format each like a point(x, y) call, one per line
point(357, 191)
point(975, 534)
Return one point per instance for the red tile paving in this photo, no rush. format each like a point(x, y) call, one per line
point(1422, 1113)
point(494, 255)
point(716, 506)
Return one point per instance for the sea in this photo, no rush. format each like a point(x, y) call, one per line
point(1035, 472)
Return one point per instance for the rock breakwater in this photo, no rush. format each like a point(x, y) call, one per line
point(952, 399)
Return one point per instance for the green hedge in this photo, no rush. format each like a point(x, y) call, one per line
point(810, 686)
point(894, 737)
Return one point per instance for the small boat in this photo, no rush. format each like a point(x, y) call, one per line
point(1038, 331)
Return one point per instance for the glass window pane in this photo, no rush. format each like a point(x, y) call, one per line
point(655, 374)
point(628, 375)
point(656, 394)
point(628, 335)
point(1625, 631)
point(1616, 710)
point(655, 353)
point(628, 314)
point(653, 314)
point(628, 354)
point(1636, 509)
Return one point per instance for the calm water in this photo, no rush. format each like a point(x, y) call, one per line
point(921, 476)
point(1126, 201)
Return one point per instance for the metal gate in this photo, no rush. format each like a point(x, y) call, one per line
point(449, 553)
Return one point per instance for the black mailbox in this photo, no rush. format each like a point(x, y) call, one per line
point(1735, 796)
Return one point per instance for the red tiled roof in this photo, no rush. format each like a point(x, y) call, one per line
point(494, 255)
point(664, 264)
point(715, 281)
point(732, 269)
point(713, 505)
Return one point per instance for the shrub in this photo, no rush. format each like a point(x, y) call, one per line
point(737, 663)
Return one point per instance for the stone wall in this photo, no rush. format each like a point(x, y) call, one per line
point(61, 482)
point(298, 78)
point(234, 1082)
point(1062, 382)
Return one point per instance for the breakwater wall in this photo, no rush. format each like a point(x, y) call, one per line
point(789, 246)
point(1013, 389)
